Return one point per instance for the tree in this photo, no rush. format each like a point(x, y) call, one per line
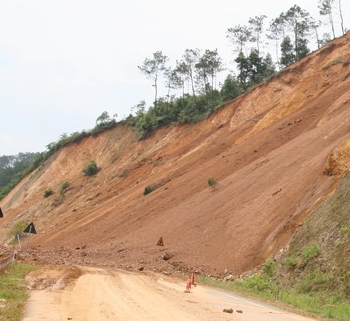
point(276, 30)
point(208, 66)
point(315, 25)
point(254, 69)
point(230, 88)
point(299, 22)
point(202, 72)
point(287, 52)
point(257, 29)
point(144, 120)
point(152, 69)
point(190, 58)
point(260, 67)
point(243, 67)
point(341, 18)
point(173, 80)
point(303, 49)
point(140, 108)
point(103, 118)
point(326, 9)
point(326, 37)
point(268, 66)
point(239, 36)
point(181, 71)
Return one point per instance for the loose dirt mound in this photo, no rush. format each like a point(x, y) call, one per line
point(275, 153)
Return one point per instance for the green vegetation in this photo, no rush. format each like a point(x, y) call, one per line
point(212, 182)
point(64, 187)
point(310, 252)
point(18, 228)
point(48, 192)
point(13, 169)
point(13, 294)
point(149, 189)
point(336, 61)
point(60, 198)
point(313, 274)
point(90, 169)
point(306, 298)
point(196, 71)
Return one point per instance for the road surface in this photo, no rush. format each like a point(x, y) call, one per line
point(90, 294)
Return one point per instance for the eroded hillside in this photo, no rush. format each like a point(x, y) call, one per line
point(275, 153)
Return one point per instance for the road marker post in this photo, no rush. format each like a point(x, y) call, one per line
point(188, 285)
point(30, 229)
point(193, 281)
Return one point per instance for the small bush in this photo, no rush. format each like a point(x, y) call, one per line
point(311, 252)
point(48, 193)
point(18, 228)
point(90, 169)
point(257, 283)
point(64, 186)
point(58, 201)
point(149, 189)
point(269, 268)
point(290, 262)
point(212, 182)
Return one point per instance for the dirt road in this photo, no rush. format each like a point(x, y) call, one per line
point(84, 294)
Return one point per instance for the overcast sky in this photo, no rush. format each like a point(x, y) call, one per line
point(63, 63)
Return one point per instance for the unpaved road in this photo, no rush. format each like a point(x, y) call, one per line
point(84, 294)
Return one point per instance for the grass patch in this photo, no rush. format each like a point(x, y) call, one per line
point(64, 187)
point(336, 61)
point(13, 294)
point(261, 287)
point(311, 252)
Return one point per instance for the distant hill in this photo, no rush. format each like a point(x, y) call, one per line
point(12, 165)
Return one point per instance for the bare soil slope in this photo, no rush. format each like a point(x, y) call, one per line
point(275, 153)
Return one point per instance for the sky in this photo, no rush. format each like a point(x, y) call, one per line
point(63, 63)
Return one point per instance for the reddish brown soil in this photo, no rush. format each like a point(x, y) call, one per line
point(275, 153)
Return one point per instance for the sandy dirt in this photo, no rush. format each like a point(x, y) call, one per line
point(84, 294)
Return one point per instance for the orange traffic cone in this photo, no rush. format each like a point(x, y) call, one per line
point(188, 285)
point(193, 281)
